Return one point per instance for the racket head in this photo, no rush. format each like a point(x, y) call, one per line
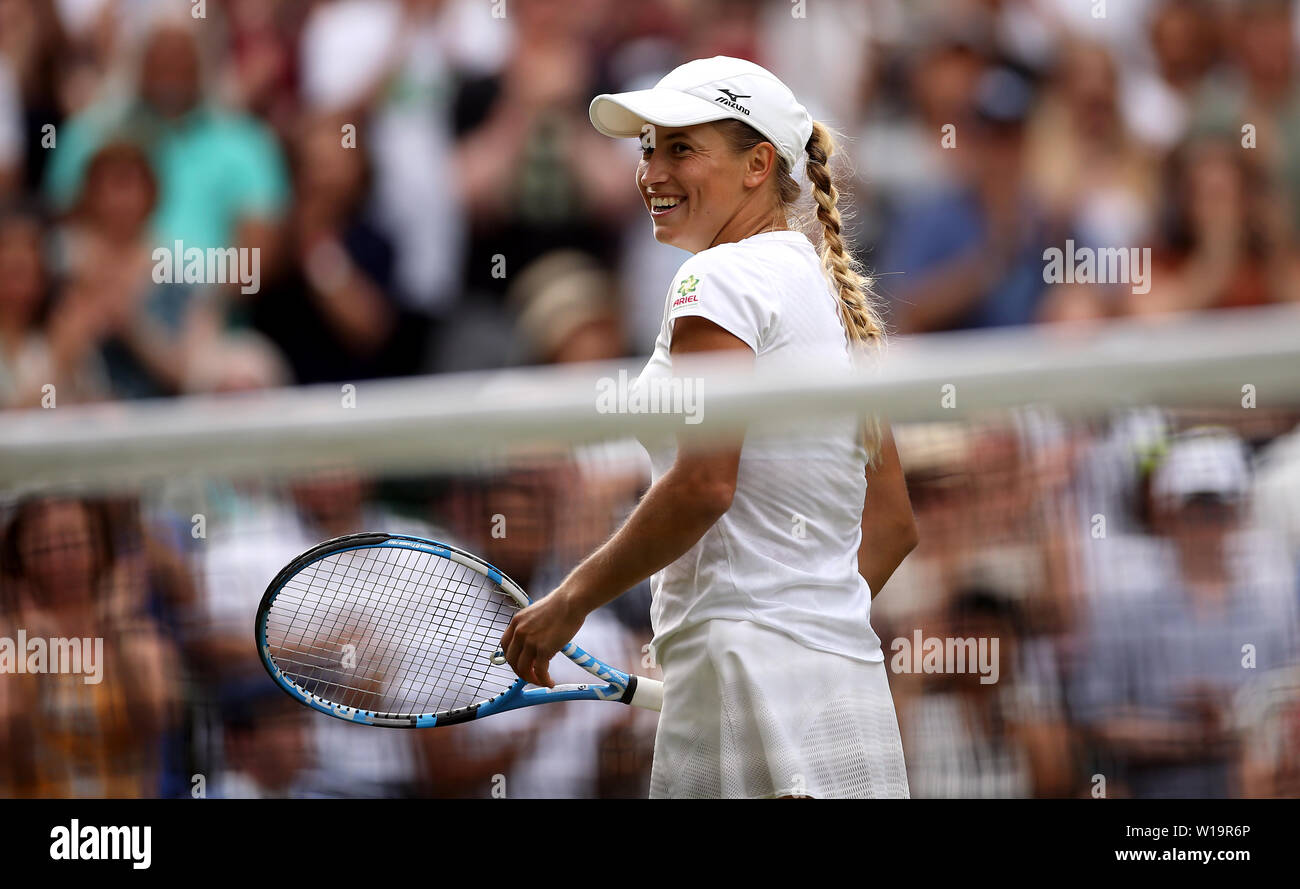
point(389, 630)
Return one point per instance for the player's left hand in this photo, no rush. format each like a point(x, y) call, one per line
point(537, 632)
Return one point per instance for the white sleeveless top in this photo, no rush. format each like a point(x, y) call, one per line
point(784, 556)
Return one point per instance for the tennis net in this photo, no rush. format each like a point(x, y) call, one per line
point(1102, 602)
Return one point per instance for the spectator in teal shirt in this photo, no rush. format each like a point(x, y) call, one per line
point(222, 176)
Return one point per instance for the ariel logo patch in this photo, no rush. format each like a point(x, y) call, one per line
point(686, 291)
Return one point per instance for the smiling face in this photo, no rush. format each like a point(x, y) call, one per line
point(700, 192)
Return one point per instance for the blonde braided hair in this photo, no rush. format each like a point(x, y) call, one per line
point(857, 300)
point(863, 326)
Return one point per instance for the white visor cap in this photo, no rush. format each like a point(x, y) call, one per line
point(1210, 462)
point(706, 90)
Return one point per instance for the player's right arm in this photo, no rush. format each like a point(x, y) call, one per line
point(680, 507)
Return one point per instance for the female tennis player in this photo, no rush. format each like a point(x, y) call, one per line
point(774, 681)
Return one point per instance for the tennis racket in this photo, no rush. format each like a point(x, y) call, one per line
point(388, 630)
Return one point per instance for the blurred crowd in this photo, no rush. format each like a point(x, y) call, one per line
point(425, 194)
point(1141, 576)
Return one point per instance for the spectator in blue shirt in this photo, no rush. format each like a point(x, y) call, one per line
point(1159, 671)
point(221, 175)
point(971, 255)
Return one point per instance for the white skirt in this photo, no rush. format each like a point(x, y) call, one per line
point(750, 713)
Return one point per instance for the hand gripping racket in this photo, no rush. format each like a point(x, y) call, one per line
point(387, 630)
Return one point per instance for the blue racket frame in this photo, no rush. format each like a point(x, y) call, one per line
point(615, 685)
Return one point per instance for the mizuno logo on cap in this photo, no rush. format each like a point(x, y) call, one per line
point(731, 99)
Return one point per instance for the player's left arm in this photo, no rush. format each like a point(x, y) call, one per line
point(888, 527)
point(672, 517)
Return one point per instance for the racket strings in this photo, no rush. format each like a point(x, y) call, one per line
point(392, 630)
point(320, 623)
point(396, 619)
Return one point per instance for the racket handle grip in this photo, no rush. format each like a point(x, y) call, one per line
point(648, 694)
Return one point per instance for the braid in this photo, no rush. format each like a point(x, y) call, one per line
point(862, 322)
